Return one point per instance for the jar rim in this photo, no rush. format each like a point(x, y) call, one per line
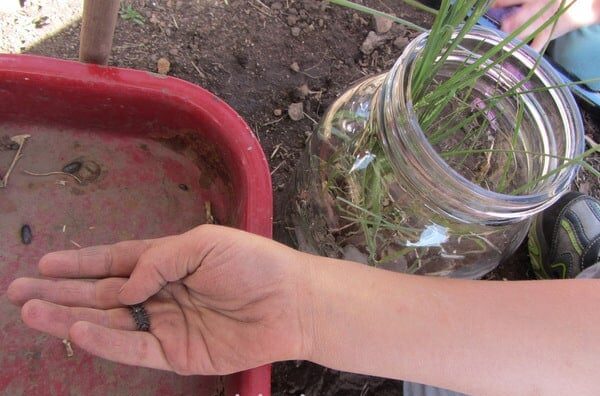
point(467, 200)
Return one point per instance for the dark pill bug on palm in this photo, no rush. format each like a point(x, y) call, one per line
point(184, 187)
point(141, 317)
point(26, 235)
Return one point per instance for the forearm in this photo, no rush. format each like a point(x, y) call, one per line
point(472, 336)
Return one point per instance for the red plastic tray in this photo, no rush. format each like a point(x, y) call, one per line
point(156, 149)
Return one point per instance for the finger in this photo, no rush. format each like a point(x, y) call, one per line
point(94, 262)
point(520, 19)
point(532, 17)
point(56, 319)
point(101, 294)
point(136, 348)
point(169, 261)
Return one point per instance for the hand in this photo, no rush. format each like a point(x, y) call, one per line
point(579, 14)
point(219, 301)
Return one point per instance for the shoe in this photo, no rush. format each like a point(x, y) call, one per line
point(565, 239)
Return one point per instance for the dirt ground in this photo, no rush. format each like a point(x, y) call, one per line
point(257, 55)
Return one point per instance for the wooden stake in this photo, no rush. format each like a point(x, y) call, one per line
point(97, 30)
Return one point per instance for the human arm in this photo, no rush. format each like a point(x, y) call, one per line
point(579, 14)
point(476, 337)
point(228, 301)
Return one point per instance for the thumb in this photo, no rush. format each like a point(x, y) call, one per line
point(165, 262)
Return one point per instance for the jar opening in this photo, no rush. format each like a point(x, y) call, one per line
point(494, 155)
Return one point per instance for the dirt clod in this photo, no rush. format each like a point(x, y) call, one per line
point(359, 20)
point(303, 91)
point(163, 66)
point(372, 42)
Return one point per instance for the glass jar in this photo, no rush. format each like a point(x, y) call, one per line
point(375, 187)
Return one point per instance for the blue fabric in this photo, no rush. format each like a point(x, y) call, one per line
point(578, 52)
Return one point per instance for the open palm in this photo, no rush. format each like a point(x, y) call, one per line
point(219, 301)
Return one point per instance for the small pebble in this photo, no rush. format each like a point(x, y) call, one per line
point(277, 112)
point(400, 42)
point(26, 235)
point(351, 253)
point(296, 31)
point(184, 187)
point(295, 67)
point(72, 167)
point(296, 111)
point(382, 24)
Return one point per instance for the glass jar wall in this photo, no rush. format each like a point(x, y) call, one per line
point(453, 200)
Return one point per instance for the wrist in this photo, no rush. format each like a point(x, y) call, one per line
point(305, 278)
point(335, 298)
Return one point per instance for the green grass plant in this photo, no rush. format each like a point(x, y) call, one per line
point(128, 13)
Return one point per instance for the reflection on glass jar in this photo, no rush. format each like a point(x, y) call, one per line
point(454, 199)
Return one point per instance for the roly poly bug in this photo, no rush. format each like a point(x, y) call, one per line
point(72, 167)
point(184, 187)
point(140, 316)
point(26, 235)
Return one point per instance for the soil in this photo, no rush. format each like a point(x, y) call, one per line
point(260, 56)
